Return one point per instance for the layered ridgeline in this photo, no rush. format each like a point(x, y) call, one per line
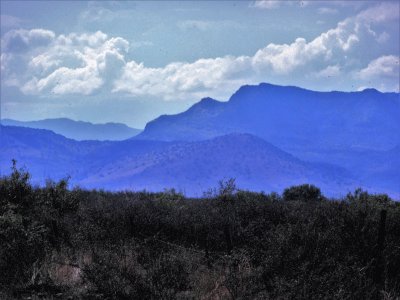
point(79, 130)
point(267, 137)
point(290, 118)
point(191, 167)
point(359, 131)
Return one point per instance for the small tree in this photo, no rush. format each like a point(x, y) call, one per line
point(304, 192)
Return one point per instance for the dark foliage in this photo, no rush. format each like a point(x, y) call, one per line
point(231, 244)
point(304, 192)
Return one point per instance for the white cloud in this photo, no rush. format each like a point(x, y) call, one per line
point(103, 11)
point(274, 4)
point(329, 71)
point(387, 11)
point(266, 4)
point(178, 80)
point(384, 66)
point(89, 62)
point(321, 56)
point(66, 81)
point(3, 61)
point(284, 58)
point(21, 40)
point(68, 64)
point(361, 88)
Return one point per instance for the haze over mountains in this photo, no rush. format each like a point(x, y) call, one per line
point(267, 137)
point(79, 130)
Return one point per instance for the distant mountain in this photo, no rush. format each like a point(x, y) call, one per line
point(48, 155)
point(291, 118)
point(359, 131)
point(267, 137)
point(192, 167)
point(44, 153)
point(79, 130)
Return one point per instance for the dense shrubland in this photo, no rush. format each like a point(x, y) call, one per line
point(232, 244)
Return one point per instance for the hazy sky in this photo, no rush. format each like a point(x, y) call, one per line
point(132, 61)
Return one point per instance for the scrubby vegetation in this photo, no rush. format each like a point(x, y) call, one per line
point(232, 244)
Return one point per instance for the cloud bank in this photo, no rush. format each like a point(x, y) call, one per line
point(40, 62)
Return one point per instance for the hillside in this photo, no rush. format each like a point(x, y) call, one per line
point(191, 167)
point(52, 156)
point(194, 167)
point(79, 130)
point(358, 131)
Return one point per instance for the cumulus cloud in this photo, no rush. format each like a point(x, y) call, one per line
point(22, 40)
point(92, 62)
point(384, 66)
point(329, 71)
point(322, 55)
point(68, 64)
point(177, 80)
point(284, 58)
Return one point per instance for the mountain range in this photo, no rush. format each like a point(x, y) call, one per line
point(190, 167)
point(79, 130)
point(291, 118)
point(267, 137)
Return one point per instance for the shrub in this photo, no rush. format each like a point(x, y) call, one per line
point(305, 193)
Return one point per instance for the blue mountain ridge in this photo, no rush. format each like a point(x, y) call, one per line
point(291, 118)
point(79, 130)
point(267, 137)
point(191, 167)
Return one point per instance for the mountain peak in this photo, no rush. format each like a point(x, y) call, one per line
point(206, 102)
point(371, 91)
point(289, 116)
point(254, 91)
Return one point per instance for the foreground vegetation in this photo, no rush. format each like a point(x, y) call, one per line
point(61, 243)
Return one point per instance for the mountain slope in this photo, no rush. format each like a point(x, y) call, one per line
point(290, 118)
point(44, 153)
point(359, 131)
point(192, 167)
point(79, 130)
point(52, 156)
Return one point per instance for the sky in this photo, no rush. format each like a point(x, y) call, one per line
point(132, 61)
